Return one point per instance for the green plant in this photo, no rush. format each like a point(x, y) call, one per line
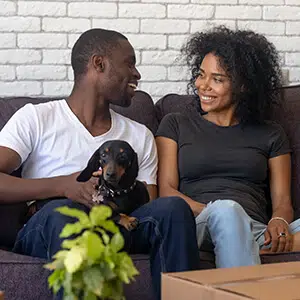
point(91, 266)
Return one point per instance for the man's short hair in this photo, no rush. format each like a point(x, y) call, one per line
point(94, 41)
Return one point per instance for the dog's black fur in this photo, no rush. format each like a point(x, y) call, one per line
point(117, 186)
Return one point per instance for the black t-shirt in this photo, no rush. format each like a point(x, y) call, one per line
point(218, 162)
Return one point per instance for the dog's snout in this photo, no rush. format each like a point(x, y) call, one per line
point(111, 174)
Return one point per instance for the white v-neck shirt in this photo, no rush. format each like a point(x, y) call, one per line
point(51, 141)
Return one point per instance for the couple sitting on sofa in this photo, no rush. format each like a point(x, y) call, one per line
point(216, 166)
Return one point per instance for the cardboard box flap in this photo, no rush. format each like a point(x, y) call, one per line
point(284, 289)
point(218, 277)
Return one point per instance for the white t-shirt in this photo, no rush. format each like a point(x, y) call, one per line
point(51, 141)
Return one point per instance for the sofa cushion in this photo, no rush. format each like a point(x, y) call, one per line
point(288, 115)
point(172, 103)
point(23, 277)
point(12, 216)
point(30, 276)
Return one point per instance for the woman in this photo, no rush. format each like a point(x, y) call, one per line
point(228, 160)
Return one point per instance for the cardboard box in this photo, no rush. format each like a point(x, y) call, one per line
point(279, 281)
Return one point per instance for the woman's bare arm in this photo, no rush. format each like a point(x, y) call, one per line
point(280, 187)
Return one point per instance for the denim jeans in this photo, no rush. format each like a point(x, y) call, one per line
point(236, 239)
point(166, 231)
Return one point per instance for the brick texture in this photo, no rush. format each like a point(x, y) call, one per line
point(36, 37)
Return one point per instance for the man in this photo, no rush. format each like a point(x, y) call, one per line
point(53, 141)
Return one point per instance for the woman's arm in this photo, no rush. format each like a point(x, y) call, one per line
point(168, 179)
point(280, 186)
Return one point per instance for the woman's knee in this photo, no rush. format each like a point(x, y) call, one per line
point(226, 209)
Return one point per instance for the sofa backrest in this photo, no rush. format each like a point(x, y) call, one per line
point(12, 216)
point(288, 116)
point(141, 109)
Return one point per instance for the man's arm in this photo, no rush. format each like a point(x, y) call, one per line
point(13, 189)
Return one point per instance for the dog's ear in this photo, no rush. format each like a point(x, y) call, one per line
point(133, 169)
point(92, 166)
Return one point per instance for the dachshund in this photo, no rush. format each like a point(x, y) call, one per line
point(117, 186)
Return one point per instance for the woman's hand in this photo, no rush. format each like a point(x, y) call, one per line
point(278, 234)
point(197, 208)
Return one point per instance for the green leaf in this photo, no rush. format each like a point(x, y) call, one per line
point(70, 297)
point(110, 226)
point(126, 269)
point(93, 278)
point(94, 245)
point(104, 235)
point(56, 264)
point(123, 276)
point(113, 290)
point(68, 244)
point(74, 259)
point(60, 254)
point(106, 271)
point(100, 213)
point(71, 229)
point(88, 295)
point(117, 242)
point(77, 281)
point(67, 284)
point(109, 257)
point(55, 280)
point(75, 213)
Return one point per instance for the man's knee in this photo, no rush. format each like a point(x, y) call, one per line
point(173, 206)
point(50, 213)
point(54, 204)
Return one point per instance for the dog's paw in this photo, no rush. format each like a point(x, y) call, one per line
point(130, 223)
point(133, 223)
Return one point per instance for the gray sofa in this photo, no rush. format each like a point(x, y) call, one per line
point(24, 278)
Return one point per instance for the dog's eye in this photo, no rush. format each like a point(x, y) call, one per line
point(123, 156)
point(103, 155)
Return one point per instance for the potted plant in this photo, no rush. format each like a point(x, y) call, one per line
point(91, 266)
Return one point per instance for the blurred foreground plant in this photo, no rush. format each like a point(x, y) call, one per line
point(91, 266)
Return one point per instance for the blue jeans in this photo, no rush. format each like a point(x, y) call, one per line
point(166, 230)
point(236, 238)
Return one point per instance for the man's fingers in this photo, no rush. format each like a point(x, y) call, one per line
point(97, 173)
point(94, 181)
point(87, 194)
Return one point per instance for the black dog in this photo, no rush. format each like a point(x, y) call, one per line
point(117, 187)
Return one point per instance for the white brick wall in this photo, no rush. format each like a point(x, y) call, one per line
point(36, 37)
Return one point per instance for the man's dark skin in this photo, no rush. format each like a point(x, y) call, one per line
point(105, 81)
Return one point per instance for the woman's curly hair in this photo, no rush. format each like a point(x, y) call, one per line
point(250, 61)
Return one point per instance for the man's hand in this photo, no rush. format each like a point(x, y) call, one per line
point(81, 192)
point(280, 243)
